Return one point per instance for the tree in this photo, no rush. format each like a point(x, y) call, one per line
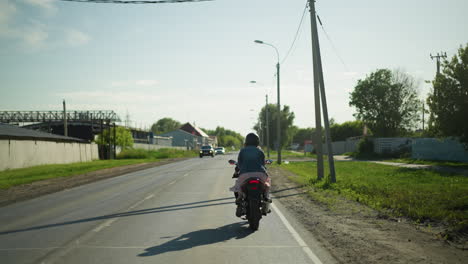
point(386, 102)
point(226, 137)
point(123, 136)
point(340, 132)
point(448, 102)
point(303, 134)
point(286, 119)
point(165, 125)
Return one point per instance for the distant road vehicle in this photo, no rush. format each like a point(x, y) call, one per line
point(219, 150)
point(207, 151)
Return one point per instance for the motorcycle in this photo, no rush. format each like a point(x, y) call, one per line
point(253, 203)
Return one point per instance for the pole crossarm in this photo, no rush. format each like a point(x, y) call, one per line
point(50, 116)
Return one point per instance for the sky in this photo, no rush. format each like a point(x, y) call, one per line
point(194, 62)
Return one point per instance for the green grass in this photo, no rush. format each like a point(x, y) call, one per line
point(286, 154)
point(15, 177)
point(163, 153)
point(452, 164)
point(418, 194)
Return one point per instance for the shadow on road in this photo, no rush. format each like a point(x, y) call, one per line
point(200, 238)
point(161, 209)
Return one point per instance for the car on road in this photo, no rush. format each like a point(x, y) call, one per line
point(219, 150)
point(207, 151)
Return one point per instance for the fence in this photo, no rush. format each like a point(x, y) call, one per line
point(16, 154)
point(435, 149)
point(340, 147)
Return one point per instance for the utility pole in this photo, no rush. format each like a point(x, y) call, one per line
point(65, 125)
point(438, 57)
point(267, 127)
point(278, 123)
point(319, 92)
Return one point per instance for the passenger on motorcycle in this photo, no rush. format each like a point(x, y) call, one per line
point(251, 163)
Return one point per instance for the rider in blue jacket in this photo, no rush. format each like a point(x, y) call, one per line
point(251, 163)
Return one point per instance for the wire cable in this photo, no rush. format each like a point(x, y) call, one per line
point(335, 50)
point(297, 34)
point(134, 2)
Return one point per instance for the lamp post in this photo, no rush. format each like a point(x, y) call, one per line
point(266, 133)
point(278, 128)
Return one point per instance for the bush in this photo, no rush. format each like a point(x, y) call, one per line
point(365, 146)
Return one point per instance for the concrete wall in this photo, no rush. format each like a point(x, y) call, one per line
point(435, 149)
point(154, 147)
point(390, 145)
point(26, 153)
point(340, 147)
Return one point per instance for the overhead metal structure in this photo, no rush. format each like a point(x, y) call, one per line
point(51, 116)
point(135, 2)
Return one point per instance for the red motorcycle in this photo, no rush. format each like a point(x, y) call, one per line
point(253, 203)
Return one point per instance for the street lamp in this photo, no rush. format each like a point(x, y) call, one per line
point(267, 129)
point(278, 131)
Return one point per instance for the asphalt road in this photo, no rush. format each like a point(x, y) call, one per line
point(177, 213)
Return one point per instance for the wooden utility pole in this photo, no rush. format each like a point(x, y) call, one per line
point(319, 92)
point(438, 57)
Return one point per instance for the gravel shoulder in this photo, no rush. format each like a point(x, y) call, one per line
point(38, 188)
point(355, 233)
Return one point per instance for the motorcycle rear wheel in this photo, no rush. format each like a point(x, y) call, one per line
point(254, 215)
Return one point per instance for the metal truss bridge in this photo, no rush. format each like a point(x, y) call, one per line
point(57, 116)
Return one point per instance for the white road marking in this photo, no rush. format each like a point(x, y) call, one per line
point(186, 174)
point(172, 182)
point(110, 221)
point(104, 225)
point(296, 236)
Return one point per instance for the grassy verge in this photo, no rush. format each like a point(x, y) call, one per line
point(421, 195)
point(287, 154)
point(452, 164)
point(14, 177)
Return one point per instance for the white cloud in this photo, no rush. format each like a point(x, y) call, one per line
point(46, 5)
point(32, 33)
point(142, 83)
point(146, 82)
point(35, 36)
point(76, 38)
point(111, 97)
point(7, 11)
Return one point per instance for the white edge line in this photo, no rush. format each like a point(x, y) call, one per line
point(296, 236)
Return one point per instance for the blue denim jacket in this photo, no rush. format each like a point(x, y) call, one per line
point(251, 159)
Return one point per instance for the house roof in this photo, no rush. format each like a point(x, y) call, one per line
point(193, 130)
point(14, 132)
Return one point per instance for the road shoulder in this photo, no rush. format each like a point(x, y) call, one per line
point(354, 233)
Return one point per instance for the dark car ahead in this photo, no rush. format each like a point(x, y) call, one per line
point(207, 151)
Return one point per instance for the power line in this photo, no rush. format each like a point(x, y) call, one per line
point(335, 50)
point(134, 2)
point(297, 34)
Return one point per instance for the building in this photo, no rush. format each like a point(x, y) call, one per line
point(20, 148)
point(189, 136)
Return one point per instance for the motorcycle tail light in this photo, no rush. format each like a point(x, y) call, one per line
point(254, 181)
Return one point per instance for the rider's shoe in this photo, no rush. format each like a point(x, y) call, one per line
point(239, 210)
